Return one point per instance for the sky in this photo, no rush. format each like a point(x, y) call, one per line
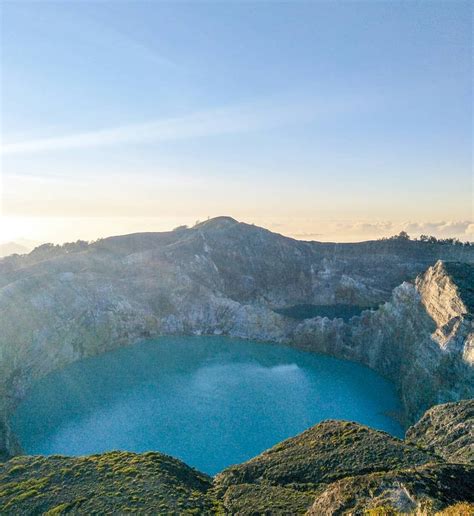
point(331, 121)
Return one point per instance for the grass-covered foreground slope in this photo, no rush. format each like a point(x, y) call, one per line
point(333, 468)
point(289, 476)
point(114, 482)
point(325, 453)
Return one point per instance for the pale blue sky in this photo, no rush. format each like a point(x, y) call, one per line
point(303, 116)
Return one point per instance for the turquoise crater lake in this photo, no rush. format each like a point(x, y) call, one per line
point(210, 401)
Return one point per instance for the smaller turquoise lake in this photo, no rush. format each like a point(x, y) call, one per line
point(209, 401)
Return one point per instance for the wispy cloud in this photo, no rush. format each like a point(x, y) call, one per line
point(307, 235)
point(190, 126)
point(240, 118)
point(443, 228)
point(361, 230)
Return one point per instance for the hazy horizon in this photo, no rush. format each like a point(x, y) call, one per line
point(327, 121)
point(74, 230)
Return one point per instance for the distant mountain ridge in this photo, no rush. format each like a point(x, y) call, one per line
point(247, 263)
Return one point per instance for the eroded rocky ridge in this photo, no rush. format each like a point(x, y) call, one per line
point(447, 430)
point(426, 490)
point(333, 468)
point(58, 305)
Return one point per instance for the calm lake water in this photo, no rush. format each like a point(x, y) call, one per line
point(210, 401)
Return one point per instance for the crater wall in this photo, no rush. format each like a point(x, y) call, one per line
point(60, 304)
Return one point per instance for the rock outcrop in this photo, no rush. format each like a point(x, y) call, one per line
point(60, 304)
point(426, 490)
point(447, 430)
point(423, 338)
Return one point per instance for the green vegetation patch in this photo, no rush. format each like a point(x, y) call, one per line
point(325, 453)
point(114, 482)
point(265, 499)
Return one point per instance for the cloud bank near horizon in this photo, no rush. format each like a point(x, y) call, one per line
point(463, 230)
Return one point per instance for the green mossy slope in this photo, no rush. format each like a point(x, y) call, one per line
point(114, 482)
point(325, 453)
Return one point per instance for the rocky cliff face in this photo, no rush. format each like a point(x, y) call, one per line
point(58, 305)
point(422, 338)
